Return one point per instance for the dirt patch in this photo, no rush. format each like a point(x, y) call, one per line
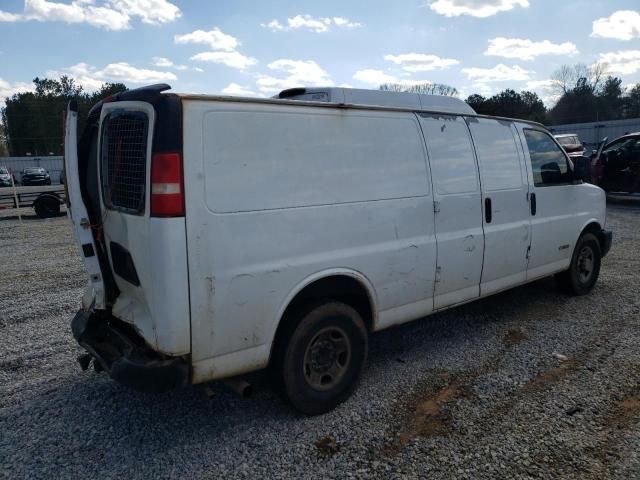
point(552, 375)
point(628, 410)
point(427, 417)
point(514, 337)
point(327, 445)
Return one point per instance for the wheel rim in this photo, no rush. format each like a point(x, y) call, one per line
point(585, 264)
point(327, 358)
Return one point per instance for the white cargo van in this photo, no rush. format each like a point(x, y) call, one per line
point(224, 235)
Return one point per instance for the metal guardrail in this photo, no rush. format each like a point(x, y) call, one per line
point(27, 195)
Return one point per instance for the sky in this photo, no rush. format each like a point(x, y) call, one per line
point(257, 48)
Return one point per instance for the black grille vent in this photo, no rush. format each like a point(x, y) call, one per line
point(124, 160)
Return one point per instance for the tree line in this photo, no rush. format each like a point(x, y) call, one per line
point(32, 123)
point(584, 94)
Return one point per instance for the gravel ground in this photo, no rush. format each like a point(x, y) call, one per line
point(528, 383)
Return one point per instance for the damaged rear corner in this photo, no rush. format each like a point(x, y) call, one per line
point(117, 349)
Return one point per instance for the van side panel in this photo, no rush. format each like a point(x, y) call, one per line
point(277, 194)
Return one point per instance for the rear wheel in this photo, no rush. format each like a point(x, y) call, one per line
point(320, 362)
point(583, 272)
point(47, 207)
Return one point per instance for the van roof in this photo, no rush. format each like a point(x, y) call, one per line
point(334, 97)
point(379, 98)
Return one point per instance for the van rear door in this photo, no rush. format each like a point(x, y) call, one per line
point(143, 225)
point(77, 212)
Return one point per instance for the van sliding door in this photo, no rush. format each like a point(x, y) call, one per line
point(507, 226)
point(457, 207)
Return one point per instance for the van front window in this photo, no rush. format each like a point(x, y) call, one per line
point(548, 162)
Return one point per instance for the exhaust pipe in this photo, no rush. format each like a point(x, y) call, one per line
point(239, 386)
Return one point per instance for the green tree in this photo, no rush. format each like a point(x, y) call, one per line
point(33, 122)
point(509, 103)
point(631, 103)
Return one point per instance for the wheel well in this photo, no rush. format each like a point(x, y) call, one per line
point(338, 287)
point(595, 228)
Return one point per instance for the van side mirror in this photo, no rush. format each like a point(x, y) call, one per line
point(582, 168)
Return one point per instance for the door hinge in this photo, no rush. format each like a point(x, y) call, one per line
point(436, 207)
point(528, 255)
point(438, 270)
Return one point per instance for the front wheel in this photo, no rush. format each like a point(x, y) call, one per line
point(320, 364)
point(583, 272)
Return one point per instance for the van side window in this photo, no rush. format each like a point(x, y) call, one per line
point(497, 153)
point(450, 154)
point(548, 162)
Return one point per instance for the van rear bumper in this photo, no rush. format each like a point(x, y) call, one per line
point(123, 354)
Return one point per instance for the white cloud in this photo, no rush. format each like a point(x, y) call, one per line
point(525, 49)
point(230, 59)
point(375, 78)
point(420, 62)
point(235, 89)
point(9, 17)
point(307, 22)
point(345, 22)
point(317, 25)
point(621, 25)
point(274, 25)
point(297, 73)
point(7, 89)
point(92, 78)
point(499, 73)
point(214, 39)
point(223, 48)
point(625, 62)
point(475, 8)
point(150, 11)
point(166, 63)
point(162, 62)
point(546, 90)
point(109, 14)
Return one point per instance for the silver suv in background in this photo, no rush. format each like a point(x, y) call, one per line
point(571, 144)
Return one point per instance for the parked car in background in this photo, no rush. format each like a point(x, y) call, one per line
point(571, 144)
point(35, 176)
point(617, 167)
point(5, 177)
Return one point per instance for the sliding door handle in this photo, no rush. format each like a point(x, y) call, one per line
point(487, 210)
point(532, 203)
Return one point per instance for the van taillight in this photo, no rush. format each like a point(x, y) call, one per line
point(167, 186)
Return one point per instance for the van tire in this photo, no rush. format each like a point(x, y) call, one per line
point(583, 272)
point(320, 362)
